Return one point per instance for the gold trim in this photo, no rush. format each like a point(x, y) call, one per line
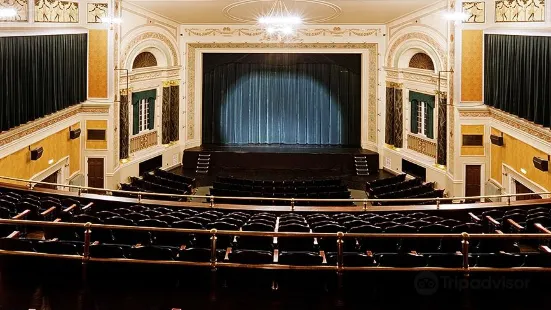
point(372, 75)
point(422, 146)
point(394, 84)
point(256, 32)
point(171, 83)
point(123, 91)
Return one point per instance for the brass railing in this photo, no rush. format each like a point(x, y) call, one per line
point(339, 237)
point(292, 201)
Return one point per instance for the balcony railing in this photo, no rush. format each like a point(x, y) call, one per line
point(291, 201)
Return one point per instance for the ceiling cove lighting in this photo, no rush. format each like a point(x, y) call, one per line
point(7, 13)
point(279, 22)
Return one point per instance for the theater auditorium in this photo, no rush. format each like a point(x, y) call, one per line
point(250, 154)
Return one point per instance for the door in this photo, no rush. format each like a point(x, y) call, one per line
point(521, 189)
point(52, 178)
point(472, 181)
point(95, 172)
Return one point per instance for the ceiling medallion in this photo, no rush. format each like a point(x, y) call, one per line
point(333, 11)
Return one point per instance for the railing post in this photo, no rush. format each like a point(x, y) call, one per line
point(212, 201)
point(79, 191)
point(465, 251)
point(139, 197)
point(437, 203)
point(86, 252)
point(365, 204)
point(292, 204)
point(509, 199)
point(213, 260)
point(340, 255)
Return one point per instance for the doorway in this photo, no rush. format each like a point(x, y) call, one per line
point(473, 181)
point(52, 178)
point(521, 189)
point(96, 172)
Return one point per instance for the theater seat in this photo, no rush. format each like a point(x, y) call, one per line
point(13, 244)
point(300, 258)
point(351, 259)
point(538, 260)
point(401, 260)
point(199, 255)
point(251, 257)
point(500, 260)
point(151, 253)
point(108, 251)
point(447, 260)
point(58, 247)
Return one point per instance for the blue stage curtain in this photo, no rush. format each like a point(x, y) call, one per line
point(289, 103)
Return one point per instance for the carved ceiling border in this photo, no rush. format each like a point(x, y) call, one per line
point(513, 121)
point(372, 75)
point(256, 32)
point(34, 126)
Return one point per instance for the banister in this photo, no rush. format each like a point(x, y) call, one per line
point(542, 229)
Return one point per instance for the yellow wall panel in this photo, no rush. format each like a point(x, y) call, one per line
point(56, 147)
point(93, 144)
point(97, 63)
point(472, 130)
point(471, 65)
point(518, 155)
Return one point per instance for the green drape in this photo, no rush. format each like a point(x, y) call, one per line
point(41, 75)
point(429, 116)
point(517, 76)
point(413, 118)
point(150, 96)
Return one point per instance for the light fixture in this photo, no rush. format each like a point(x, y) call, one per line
point(8, 12)
point(279, 23)
point(523, 170)
point(51, 161)
point(456, 16)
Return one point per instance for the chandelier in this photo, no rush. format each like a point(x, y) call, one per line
point(279, 23)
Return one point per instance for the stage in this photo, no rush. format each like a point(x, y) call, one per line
point(276, 162)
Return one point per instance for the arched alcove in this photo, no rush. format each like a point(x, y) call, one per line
point(421, 61)
point(144, 60)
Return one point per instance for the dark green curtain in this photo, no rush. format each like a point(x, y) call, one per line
point(517, 76)
point(429, 116)
point(278, 99)
point(41, 75)
point(150, 96)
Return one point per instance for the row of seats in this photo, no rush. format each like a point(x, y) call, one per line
point(351, 259)
point(397, 187)
point(159, 181)
point(306, 189)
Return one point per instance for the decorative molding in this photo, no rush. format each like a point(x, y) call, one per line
point(476, 10)
point(96, 11)
point(248, 32)
point(415, 75)
point(54, 11)
point(32, 127)
point(124, 90)
point(143, 142)
point(515, 11)
point(149, 74)
point(416, 36)
point(422, 146)
point(516, 122)
point(372, 75)
point(22, 8)
point(145, 36)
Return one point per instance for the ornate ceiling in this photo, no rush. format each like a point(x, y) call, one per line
point(313, 11)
